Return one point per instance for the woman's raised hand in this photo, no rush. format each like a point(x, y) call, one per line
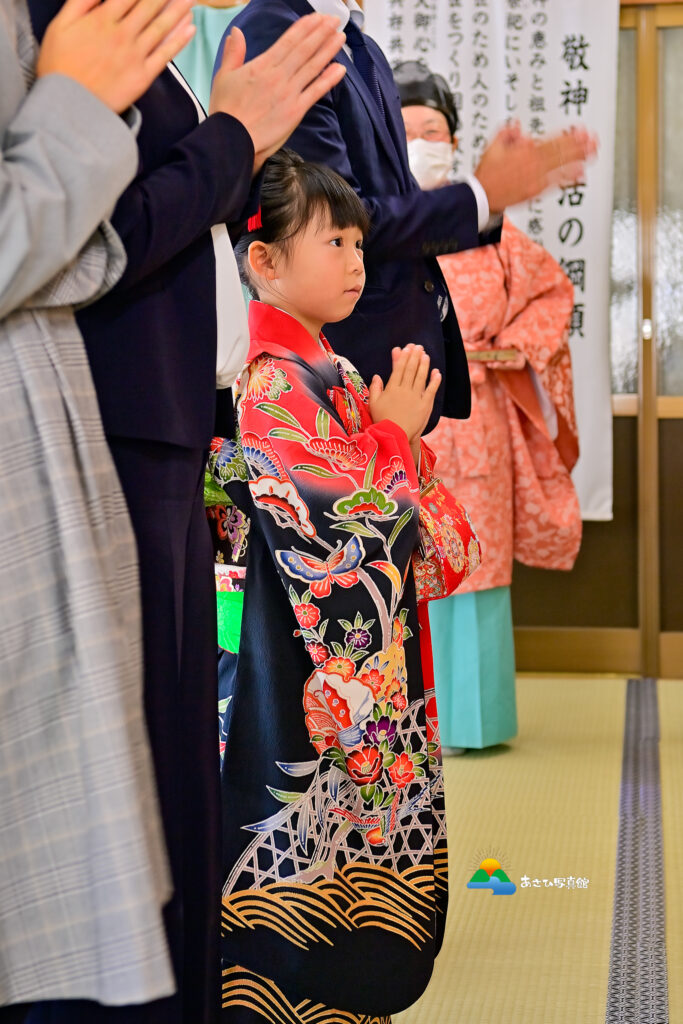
point(515, 167)
point(408, 397)
point(116, 48)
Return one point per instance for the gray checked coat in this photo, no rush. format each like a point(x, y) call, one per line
point(83, 873)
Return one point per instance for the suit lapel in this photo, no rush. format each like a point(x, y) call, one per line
point(355, 79)
point(353, 76)
point(395, 126)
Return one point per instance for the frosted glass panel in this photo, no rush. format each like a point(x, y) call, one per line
point(624, 270)
point(669, 275)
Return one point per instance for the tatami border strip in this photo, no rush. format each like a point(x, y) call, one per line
point(637, 989)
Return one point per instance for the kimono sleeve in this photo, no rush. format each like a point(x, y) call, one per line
point(339, 511)
point(540, 303)
point(540, 299)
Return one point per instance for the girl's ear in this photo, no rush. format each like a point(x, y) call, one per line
point(261, 261)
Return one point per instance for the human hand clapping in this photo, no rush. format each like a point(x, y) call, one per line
point(516, 167)
point(271, 93)
point(117, 48)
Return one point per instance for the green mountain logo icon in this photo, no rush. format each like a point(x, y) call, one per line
point(490, 875)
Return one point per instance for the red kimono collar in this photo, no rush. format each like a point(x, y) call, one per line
point(278, 333)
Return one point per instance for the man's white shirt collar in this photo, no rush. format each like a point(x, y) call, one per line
point(342, 10)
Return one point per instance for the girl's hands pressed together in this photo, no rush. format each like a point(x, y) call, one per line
point(408, 398)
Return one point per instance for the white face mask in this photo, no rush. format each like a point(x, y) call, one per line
point(430, 162)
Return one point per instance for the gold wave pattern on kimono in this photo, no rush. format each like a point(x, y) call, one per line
point(441, 869)
point(359, 895)
point(261, 996)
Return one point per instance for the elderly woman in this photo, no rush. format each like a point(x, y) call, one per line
point(510, 462)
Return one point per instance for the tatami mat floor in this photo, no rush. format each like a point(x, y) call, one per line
point(545, 806)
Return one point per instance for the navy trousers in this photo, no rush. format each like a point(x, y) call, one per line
point(163, 485)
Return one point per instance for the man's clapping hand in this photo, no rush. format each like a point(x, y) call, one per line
point(271, 93)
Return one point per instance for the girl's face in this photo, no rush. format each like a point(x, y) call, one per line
point(319, 279)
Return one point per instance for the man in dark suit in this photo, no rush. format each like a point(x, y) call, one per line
point(357, 130)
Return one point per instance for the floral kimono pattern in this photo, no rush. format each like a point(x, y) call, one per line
point(335, 844)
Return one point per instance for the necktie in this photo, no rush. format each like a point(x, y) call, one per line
point(363, 61)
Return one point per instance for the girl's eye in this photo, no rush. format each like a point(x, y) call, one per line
point(336, 241)
point(359, 244)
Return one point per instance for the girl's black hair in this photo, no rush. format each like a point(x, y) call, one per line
point(293, 192)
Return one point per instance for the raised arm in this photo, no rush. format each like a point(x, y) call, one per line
point(444, 220)
point(204, 180)
point(50, 202)
point(403, 226)
point(66, 154)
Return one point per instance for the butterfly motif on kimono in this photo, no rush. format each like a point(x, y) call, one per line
point(320, 574)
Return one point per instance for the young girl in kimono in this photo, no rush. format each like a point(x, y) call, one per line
point(334, 831)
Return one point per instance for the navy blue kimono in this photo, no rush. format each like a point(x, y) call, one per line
point(335, 859)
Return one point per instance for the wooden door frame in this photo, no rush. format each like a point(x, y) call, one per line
point(646, 650)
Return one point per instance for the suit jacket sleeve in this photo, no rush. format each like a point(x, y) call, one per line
point(205, 180)
point(51, 203)
point(404, 226)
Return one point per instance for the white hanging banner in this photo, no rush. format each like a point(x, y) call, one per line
point(549, 64)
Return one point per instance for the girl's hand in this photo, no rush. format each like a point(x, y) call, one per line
point(407, 398)
point(117, 48)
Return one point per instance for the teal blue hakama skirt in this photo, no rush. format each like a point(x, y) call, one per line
point(474, 668)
